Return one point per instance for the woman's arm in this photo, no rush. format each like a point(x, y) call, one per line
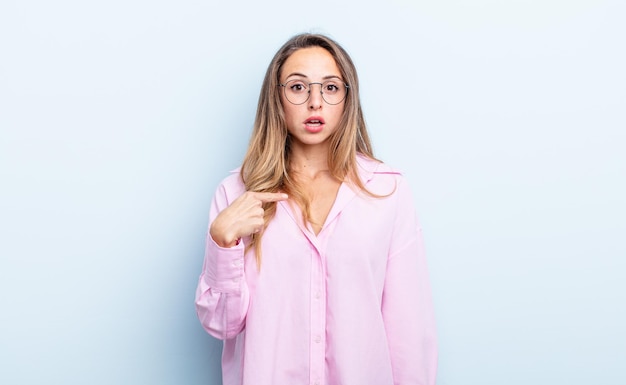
point(222, 295)
point(407, 304)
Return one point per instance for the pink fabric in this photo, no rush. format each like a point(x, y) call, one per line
point(349, 306)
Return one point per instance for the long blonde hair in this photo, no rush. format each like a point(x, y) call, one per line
point(266, 165)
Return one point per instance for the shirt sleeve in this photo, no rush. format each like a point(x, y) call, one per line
point(407, 304)
point(222, 295)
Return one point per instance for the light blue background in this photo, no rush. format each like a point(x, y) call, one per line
point(119, 118)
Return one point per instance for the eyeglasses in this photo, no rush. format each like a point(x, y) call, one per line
point(333, 91)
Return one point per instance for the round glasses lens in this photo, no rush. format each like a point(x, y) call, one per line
point(333, 91)
point(296, 91)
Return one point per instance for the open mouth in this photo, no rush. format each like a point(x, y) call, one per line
point(314, 121)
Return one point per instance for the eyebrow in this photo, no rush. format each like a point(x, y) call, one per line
point(304, 76)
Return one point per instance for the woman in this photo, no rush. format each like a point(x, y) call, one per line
point(314, 270)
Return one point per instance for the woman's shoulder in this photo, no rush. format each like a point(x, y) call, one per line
point(370, 168)
point(380, 178)
point(232, 185)
point(233, 177)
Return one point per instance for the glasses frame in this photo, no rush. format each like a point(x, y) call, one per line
point(284, 85)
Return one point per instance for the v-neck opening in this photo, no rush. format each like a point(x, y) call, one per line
point(344, 194)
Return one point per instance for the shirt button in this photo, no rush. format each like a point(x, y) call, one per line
point(318, 339)
point(317, 295)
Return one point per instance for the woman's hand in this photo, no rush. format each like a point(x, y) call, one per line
point(242, 218)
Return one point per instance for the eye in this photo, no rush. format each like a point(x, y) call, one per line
point(331, 87)
point(297, 87)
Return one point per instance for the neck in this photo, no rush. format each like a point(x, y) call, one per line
point(309, 160)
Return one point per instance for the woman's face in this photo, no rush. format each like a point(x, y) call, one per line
point(312, 122)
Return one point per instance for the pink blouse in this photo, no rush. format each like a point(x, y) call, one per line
point(350, 306)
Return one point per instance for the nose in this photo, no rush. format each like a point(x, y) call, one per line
point(315, 97)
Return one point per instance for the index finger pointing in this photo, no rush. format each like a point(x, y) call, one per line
point(271, 197)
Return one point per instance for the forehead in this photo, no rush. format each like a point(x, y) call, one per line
point(312, 62)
